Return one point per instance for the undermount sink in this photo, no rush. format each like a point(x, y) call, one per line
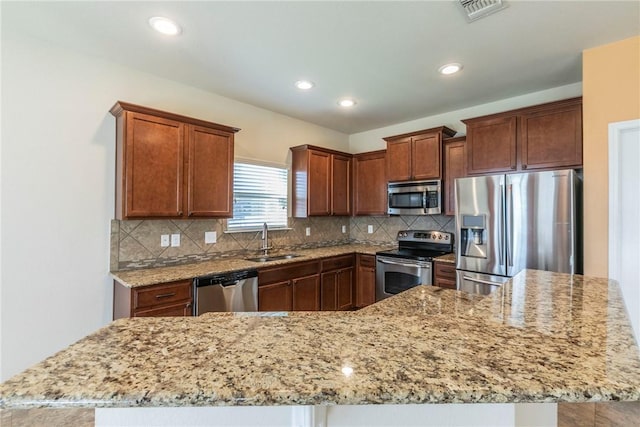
point(272, 258)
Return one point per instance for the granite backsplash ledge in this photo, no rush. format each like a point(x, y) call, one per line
point(136, 243)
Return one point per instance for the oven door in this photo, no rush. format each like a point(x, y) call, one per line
point(395, 275)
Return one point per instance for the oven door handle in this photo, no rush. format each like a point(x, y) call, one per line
point(420, 265)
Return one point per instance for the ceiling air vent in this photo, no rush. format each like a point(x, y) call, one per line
point(476, 9)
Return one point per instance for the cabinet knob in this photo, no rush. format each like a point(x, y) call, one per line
point(524, 166)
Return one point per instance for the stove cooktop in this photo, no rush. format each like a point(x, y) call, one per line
point(421, 245)
point(416, 254)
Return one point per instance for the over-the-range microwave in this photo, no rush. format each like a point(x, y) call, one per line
point(414, 198)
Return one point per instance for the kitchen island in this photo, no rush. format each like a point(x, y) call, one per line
point(543, 337)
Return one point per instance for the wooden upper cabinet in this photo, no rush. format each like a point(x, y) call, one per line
point(546, 136)
point(318, 188)
point(370, 183)
point(153, 174)
point(416, 155)
point(341, 185)
point(321, 182)
point(171, 166)
point(552, 137)
point(210, 173)
point(399, 159)
point(425, 156)
point(491, 145)
point(454, 163)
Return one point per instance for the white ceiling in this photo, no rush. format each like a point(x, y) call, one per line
point(384, 54)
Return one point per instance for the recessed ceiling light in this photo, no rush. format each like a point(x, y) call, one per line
point(346, 102)
point(450, 68)
point(304, 84)
point(165, 26)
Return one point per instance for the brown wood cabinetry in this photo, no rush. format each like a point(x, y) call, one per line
point(289, 287)
point(171, 166)
point(547, 136)
point(370, 183)
point(444, 274)
point(321, 182)
point(365, 280)
point(164, 299)
point(454, 165)
point(416, 155)
point(337, 283)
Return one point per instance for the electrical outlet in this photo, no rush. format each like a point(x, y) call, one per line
point(307, 231)
point(210, 237)
point(344, 229)
point(370, 229)
point(164, 240)
point(175, 240)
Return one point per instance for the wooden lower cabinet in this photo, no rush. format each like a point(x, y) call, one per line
point(275, 297)
point(337, 283)
point(444, 275)
point(365, 280)
point(306, 293)
point(289, 287)
point(163, 299)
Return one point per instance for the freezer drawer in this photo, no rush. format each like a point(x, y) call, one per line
point(477, 283)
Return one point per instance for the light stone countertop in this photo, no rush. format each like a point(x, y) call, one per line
point(449, 258)
point(543, 337)
point(151, 276)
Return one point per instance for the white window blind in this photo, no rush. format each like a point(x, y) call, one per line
point(259, 196)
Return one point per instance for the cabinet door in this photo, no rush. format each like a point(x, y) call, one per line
point(153, 171)
point(551, 138)
point(318, 184)
point(370, 184)
point(341, 185)
point(425, 157)
point(275, 297)
point(491, 145)
point(454, 167)
point(366, 281)
point(399, 159)
point(344, 289)
point(306, 293)
point(329, 291)
point(210, 172)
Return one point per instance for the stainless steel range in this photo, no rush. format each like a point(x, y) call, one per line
point(410, 265)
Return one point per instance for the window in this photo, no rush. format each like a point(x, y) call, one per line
point(259, 196)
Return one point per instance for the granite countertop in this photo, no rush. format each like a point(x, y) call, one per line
point(151, 276)
point(543, 337)
point(450, 258)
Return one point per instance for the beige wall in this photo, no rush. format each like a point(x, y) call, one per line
point(611, 93)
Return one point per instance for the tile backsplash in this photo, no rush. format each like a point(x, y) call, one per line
point(136, 244)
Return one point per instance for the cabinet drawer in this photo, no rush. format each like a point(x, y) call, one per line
point(177, 310)
point(445, 283)
point(445, 271)
point(287, 272)
point(163, 294)
point(335, 263)
point(368, 261)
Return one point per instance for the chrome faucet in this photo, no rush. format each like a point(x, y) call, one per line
point(265, 239)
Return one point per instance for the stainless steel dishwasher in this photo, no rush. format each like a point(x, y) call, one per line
point(235, 291)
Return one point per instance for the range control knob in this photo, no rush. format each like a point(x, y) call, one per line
point(440, 237)
point(446, 237)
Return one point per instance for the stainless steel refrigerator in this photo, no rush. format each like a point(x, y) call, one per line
point(506, 223)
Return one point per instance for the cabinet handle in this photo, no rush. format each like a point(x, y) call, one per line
point(173, 294)
point(179, 213)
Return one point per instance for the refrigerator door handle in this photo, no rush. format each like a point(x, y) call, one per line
point(509, 227)
point(501, 228)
